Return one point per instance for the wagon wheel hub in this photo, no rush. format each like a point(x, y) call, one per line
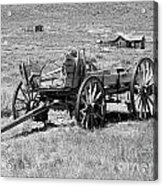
point(143, 91)
point(90, 108)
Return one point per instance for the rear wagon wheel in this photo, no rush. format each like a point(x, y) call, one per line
point(142, 89)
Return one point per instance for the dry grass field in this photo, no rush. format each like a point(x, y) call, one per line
point(124, 148)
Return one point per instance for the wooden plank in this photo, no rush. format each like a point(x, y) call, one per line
point(100, 72)
point(115, 91)
point(111, 79)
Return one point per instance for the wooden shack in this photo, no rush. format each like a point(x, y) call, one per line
point(125, 42)
point(39, 28)
point(31, 28)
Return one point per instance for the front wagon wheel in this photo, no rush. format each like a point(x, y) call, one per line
point(90, 105)
point(24, 100)
point(142, 89)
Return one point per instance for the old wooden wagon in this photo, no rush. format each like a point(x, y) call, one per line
point(83, 90)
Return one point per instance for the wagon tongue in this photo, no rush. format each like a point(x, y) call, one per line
point(28, 115)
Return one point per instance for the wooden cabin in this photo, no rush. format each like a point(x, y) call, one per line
point(31, 28)
point(124, 42)
point(39, 28)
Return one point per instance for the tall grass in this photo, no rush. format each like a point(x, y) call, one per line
point(124, 151)
point(6, 102)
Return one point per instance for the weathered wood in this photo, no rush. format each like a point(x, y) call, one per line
point(111, 79)
point(115, 90)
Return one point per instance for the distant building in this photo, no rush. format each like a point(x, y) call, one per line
point(30, 28)
point(124, 42)
point(39, 28)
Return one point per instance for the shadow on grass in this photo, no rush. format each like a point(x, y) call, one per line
point(34, 130)
point(114, 117)
point(111, 119)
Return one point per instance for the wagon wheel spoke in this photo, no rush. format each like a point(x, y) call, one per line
point(98, 96)
point(21, 100)
point(150, 69)
point(31, 95)
point(83, 111)
point(87, 95)
point(86, 125)
point(100, 105)
point(23, 108)
point(83, 101)
point(35, 96)
point(20, 105)
point(139, 76)
point(141, 110)
point(137, 100)
point(98, 115)
point(149, 74)
point(150, 81)
point(24, 94)
point(137, 87)
point(94, 91)
point(103, 108)
point(144, 106)
point(90, 93)
point(148, 107)
point(151, 101)
point(143, 72)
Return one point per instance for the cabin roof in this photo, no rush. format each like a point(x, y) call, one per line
point(39, 25)
point(124, 37)
point(130, 37)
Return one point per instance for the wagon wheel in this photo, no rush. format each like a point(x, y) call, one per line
point(142, 89)
point(24, 100)
point(90, 105)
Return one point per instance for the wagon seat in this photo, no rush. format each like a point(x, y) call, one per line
point(74, 69)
